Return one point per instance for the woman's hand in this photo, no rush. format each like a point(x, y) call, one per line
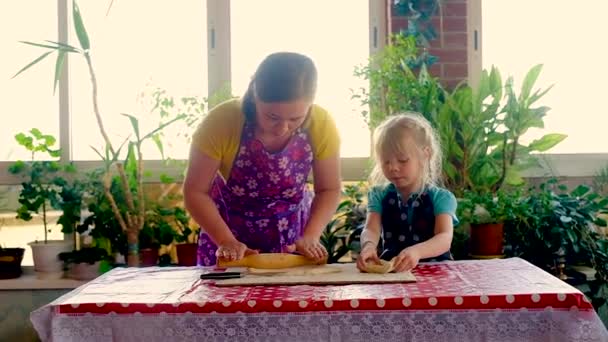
point(233, 250)
point(368, 254)
point(406, 260)
point(310, 248)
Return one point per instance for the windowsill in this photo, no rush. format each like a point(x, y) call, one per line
point(30, 281)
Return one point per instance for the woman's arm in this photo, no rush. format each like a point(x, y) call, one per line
point(327, 186)
point(199, 177)
point(326, 174)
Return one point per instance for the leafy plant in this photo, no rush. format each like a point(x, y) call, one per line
point(88, 255)
point(43, 180)
point(350, 216)
point(419, 25)
point(394, 85)
point(553, 221)
point(482, 141)
point(132, 218)
point(488, 207)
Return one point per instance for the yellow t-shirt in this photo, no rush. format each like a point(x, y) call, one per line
point(219, 134)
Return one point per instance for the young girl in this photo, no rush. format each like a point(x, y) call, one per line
point(410, 219)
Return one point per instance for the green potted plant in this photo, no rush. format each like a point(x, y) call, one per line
point(486, 213)
point(186, 237)
point(92, 253)
point(341, 234)
point(131, 218)
point(39, 193)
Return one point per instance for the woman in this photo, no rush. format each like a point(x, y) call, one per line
point(249, 162)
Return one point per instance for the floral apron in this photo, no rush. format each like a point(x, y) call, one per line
point(405, 224)
point(265, 202)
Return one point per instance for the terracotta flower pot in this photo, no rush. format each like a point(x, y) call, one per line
point(84, 271)
point(486, 240)
point(148, 257)
point(186, 254)
point(10, 262)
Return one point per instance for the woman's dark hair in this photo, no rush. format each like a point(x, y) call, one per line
point(282, 76)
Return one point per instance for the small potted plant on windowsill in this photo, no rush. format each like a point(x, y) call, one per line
point(86, 263)
point(39, 193)
point(185, 233)
point(10, 261)
point(486, 212)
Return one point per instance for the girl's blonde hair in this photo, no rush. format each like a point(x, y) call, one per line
point(389, 139)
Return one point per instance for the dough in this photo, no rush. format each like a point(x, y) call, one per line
point(384, 267)
point(270, 261)
point(293, 271)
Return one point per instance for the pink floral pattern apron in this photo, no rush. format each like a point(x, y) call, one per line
point(265, 202)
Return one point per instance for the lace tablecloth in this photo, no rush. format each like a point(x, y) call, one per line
point(490, 300)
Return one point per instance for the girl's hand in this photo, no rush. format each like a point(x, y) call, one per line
point(234, 250)
point(406, 260)
point(368, 254)
point(310, 248)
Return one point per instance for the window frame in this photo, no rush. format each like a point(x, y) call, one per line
point(218, 50)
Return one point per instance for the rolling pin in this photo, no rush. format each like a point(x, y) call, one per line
point(270, 261)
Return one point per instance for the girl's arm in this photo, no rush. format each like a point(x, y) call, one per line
point(199, 177)
point(369, 241)
point(437, 245)
point(371, 233)
point(440, 242)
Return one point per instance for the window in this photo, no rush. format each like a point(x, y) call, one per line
point(567, 38)
point(27, 100)
point(137, 46)
point(333, 33)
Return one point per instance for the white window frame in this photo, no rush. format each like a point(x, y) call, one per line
point(219, 73)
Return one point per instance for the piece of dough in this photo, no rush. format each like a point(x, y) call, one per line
point(384, 267)
point(302, 270)
point(270, 261)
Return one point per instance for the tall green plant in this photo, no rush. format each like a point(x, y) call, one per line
point(482, 143)
point(394, 86)
point(132, 220)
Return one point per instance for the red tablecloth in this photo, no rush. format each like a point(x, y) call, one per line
point(492, 300)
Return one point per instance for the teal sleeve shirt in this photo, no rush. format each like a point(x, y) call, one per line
point(444, 202)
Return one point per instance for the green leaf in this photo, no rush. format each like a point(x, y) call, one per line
point(603, 203)
point(134, 124)
point(81, 32)
point(40, 45)
point(163, 125)
point(58, 68)
point(546, 142)
point(580, 191)
point(529, 81)
point(513, 177)
point(159, 144)
point(63, 46)
point(34, 62)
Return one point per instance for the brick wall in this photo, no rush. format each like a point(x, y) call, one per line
point(451, 44)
